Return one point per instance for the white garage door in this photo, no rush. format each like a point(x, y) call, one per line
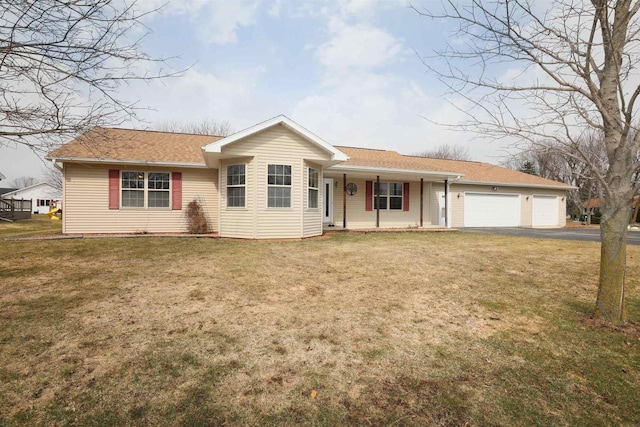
point(544, 211)
point(491, 210)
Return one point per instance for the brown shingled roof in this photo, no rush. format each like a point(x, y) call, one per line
point(136, 145)
point(153, 146)
point(472, 171)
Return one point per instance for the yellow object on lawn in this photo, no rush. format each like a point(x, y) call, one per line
point(52, 214)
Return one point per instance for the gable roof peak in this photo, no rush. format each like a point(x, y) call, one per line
point(217, 146)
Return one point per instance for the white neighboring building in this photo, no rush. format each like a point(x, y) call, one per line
point(41, 196)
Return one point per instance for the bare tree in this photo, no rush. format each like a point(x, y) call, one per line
point(552, 162)
point(447, 151)
point(557, 75)
point(62, 63)
point(205, 127)
point(22, 182)
point(53, 177)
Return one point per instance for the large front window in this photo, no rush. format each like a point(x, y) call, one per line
point(314, 188)
point(236, 186)
point(279, 186)
point(145, 189)
point(389, 196)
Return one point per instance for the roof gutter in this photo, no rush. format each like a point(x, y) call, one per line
point(56, 164)
point(515, 184)
point(126, 162)
point(438, 174)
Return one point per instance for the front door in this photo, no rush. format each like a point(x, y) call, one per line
point(327, 206)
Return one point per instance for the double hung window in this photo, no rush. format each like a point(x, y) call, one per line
point(236, 186)
point(145, 189)
point(313, 188)
point(158, 190)
point(388, 196)
point(279, 186)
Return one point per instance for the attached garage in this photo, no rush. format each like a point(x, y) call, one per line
point(544, 211)
point(491, 210)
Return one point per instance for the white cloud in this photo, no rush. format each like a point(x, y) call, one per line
point(369, 7)
point(369, 110)
point(200, 94)
point(275, 8)
point(358, 46)
point(222, 19)
point(215, 21)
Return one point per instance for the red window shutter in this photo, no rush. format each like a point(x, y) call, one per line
point(176, 190)
point(114, 189)
point(369, 194)
point(37, 202)
point(405, 197)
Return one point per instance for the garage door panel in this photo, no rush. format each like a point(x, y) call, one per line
point(491, 210)
point(544, 211)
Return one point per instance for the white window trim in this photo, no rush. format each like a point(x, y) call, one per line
point(388, 196)
point(290, 186)
point(226, 195)
point(146, 191)
point(316, 189)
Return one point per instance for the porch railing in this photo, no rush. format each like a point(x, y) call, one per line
point(14, 209)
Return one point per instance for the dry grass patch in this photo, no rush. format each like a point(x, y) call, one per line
point(402, 329)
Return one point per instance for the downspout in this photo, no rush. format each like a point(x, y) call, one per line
point(378, 202)
point(344, 201)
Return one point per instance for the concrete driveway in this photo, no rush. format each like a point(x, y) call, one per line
point(584, 234)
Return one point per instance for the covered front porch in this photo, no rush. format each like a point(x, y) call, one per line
point(376, 199)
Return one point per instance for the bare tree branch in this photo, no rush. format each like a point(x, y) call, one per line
point(447, 151)
point(62, 64)
point(203, 127)
point(573, 71)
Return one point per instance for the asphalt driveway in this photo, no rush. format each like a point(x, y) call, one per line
point(571, 233)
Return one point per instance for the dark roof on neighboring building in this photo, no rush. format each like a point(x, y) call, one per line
point(6, 190)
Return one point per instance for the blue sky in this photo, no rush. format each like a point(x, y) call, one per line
point(348, 70)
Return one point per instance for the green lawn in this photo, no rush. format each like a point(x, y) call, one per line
point(355, 329)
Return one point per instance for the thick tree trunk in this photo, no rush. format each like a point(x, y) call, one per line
point(610, 304)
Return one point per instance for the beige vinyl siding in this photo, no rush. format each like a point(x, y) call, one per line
point(64, 197)
point(86, 201)
point(274, 223)
point(457, 205)
point(526, 201)
point(277, 146)
point(236, 221)
point(358, 217)
point(312, 218)
point(434, 211)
